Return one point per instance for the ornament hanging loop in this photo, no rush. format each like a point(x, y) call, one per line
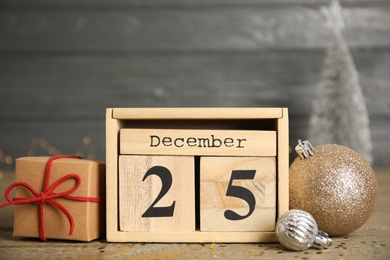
point(304, 149)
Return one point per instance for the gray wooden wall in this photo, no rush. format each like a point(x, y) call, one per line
point(62, 63)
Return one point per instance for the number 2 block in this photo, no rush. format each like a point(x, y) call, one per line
point(157, 193)
point(237, 193)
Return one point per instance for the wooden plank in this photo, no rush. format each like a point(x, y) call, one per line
point(195, 237)
point(182, 29)
point(197, 142)
point(196, 113)
point(251, 208)
point(283, 163)
point(175, 3)
point(112, 130)
point(142, 179)
point(75, 85)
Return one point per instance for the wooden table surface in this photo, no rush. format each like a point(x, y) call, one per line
point(372, 241)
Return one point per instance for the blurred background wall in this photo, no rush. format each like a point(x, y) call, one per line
point(62, 63)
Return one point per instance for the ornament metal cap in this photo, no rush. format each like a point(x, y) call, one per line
point(322, 240)
point(304, 149)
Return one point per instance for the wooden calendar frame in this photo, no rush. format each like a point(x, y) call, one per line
point(194, 118)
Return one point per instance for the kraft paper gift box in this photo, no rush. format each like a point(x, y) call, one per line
point(88, 217)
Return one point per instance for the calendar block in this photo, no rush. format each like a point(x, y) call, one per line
point(157, 193)
point(227, 174)
point(197, 142)
point(237, 193)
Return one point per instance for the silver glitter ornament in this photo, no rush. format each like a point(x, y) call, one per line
point(297, 230)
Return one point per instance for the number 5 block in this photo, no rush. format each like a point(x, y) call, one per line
point(237, 193)
point(157, 193)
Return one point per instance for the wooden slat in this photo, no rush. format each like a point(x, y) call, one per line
point(195, 237)
point(111, 138)
point(173, 29)
point(160, 4)
point(196, 113)
point(82, 85)
point(283, 163)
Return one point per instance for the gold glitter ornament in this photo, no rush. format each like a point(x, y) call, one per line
point(335, 184)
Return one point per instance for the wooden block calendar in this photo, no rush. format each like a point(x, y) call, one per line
point(142, 198)
point(248, 188)
point(196, 174)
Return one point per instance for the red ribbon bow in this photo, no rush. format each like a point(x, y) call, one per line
point(48, 195)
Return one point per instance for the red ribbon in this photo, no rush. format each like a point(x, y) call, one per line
point(48, 195)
